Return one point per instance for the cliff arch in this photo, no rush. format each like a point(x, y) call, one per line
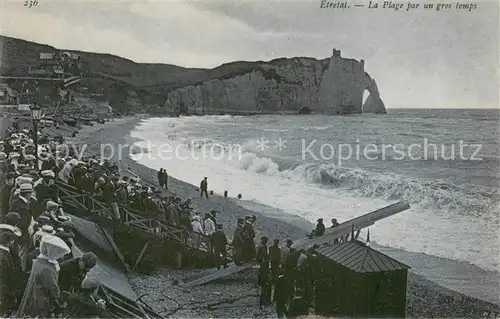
point(343, 84)
point(373, 103)
point(330, 86)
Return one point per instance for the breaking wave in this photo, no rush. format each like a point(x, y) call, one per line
point(435, 195)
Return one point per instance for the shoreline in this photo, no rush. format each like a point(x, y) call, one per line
point(425, 298)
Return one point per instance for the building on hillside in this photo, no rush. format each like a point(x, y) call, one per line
point(70, 61)
point(49, 59)
point(58, 64)
point(354, 280)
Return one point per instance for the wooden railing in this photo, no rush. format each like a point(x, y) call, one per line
point(83, 200)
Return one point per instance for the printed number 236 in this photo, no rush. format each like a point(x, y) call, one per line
point(30, 3)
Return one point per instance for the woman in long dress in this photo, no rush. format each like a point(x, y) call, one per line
point(42, 294)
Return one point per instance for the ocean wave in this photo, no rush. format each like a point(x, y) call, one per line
point(438, 195)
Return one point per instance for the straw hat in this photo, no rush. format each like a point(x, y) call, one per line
point(48, 229)
point(48, 173)
point(51, 204)
point(26, 187)
point(11, 228)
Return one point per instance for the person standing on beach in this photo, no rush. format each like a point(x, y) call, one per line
point(275, 258)
point(204, 187)
point(285, 251)
point(281, 296)
point(160, 177)
point(219, 241)
point(238, 243)
point(263, 260)
point(248, 236)
point(165, 179)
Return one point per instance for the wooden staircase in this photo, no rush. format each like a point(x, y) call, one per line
point(99, 212)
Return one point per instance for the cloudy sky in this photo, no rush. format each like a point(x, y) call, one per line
point(419, 58)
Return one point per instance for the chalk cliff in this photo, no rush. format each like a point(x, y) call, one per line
point(328, 86)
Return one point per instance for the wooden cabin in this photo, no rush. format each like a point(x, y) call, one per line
point(355, 280)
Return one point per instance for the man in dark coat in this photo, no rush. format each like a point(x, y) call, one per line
point(46, 190)
point(249, 235)
point(73, 271)
point(204, 187)
point(165, 179)
point(161, 180)
point(319, 230)
point(13, 219)
point(22, 205)
point(263, 260)
point(5, 192)
point(238, 243)
point(298, 306)
point(290, 267)
point(10, 274)
point(275, 258)
point(219, 241)
point(281, 296)
point(122, 195)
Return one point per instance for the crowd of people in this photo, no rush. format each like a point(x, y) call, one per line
point(39, 274)
point(32, 216)
point(288, 272)
point(36, 237)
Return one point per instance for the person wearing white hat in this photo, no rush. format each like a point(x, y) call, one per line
point(196, 225)
point(45, 230)
point(51, 209)
point(42, 294)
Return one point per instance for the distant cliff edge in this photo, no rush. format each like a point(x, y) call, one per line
point(329, 86)
point(298, 85)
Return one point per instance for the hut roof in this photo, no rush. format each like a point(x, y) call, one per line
point(359, 257)
point(47, 56)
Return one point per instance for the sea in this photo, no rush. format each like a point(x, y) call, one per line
point(443, 162)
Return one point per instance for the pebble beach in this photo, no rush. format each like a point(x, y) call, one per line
point(237, 296)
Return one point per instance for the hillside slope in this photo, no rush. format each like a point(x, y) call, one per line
point(278, 85)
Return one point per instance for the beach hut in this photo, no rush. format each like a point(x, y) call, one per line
point(354, 280)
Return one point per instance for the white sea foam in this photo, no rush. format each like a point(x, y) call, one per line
point(434, 224)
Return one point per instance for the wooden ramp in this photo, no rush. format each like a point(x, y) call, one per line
point(91, 231)
point(351, 226)
point(200, 279)
point(107, 275)
point(97, 235)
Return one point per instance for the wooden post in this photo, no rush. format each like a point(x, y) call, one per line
point(115, 248)
point(357, 233)
point(179, 259)
point(140, 255)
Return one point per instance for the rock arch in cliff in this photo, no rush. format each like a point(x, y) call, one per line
point(373, 102)
point(342, 86)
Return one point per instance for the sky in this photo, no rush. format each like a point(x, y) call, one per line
point(420, 59)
